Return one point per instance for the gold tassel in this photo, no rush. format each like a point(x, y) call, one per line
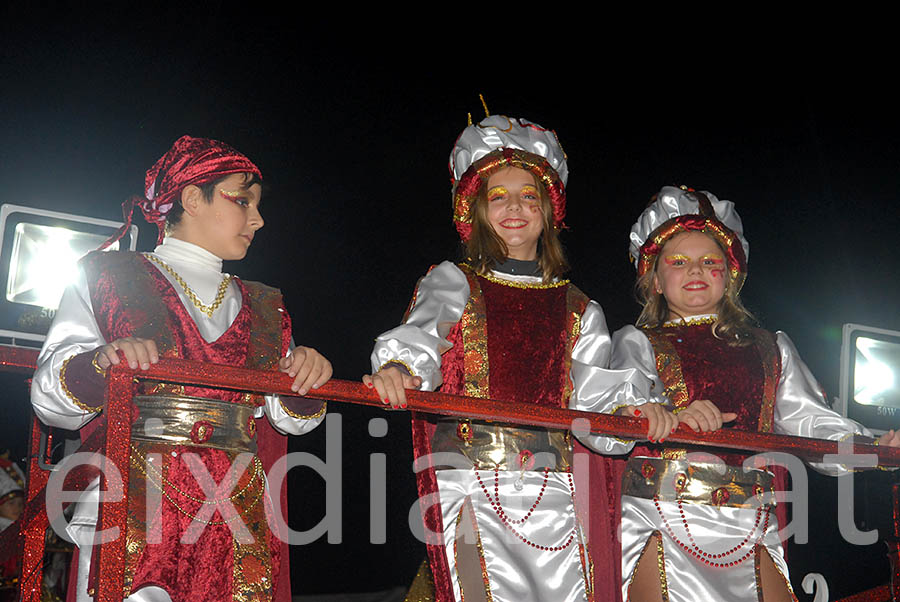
point(470, 119)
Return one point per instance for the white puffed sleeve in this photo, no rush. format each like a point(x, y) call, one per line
point(800, 405)
point(628, 379)
point(438, 305)
point(74, 331)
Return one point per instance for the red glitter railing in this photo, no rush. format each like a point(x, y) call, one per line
point(113, 442)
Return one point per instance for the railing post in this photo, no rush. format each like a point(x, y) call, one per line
point(893, 544)
point(36, 517)
point(114, 513)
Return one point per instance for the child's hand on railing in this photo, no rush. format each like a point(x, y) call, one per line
point(309, 368)
point(391, 383)
point(890, 439)
point(137, 352)
point(660, 421)
point(703, 415)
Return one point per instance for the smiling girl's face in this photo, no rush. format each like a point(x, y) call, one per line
point(514, 211)
point(690, 272)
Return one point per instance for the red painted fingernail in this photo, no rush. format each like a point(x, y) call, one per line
point(651, 439)
point(637, 412)
point(403, 406)
point(369, 385)
point(662, 440)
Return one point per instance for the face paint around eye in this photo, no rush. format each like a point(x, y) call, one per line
point(235, 196)
point(529, 191)
point(691, 275)
point(676, 259)
point(496, 192)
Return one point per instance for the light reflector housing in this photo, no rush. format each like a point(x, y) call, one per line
point(39, 250)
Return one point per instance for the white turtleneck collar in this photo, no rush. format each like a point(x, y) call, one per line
point(202, 272)
point(176, 252)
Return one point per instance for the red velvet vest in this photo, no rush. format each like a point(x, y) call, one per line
point(693, 364)
point(130, 297)
point(514, 343)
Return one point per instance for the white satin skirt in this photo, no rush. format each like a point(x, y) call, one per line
point(550, 564)
point(715, 530)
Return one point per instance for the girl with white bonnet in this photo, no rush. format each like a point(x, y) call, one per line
point(503, 324)
point(691, 531)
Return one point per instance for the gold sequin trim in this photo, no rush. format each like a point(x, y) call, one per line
point(207, 309)
point(771, 366)
point(613, 411)
point(484, 575)
point(756, 569)
point(757, 574)
point(69, 394)
point(668, 366)
point(243, 589)
point(639, 561)
point(691, 321)
point(474, 335)
point(661, 565)
point(576, 303)
point(516, 284)
point(318, 414)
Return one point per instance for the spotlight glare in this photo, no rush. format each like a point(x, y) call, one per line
point(44, 261)
point(874, 380)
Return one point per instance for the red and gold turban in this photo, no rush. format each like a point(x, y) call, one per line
point(190, 161)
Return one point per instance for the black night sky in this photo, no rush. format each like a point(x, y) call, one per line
point(352, 131)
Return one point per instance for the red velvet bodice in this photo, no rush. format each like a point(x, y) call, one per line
point(526, 333)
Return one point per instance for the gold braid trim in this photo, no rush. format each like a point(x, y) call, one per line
point(62, 383)
point(517, 284)
point(293, 414)
point(206, 309)
point(398, 363)
point(96, 365)
point(240, 511)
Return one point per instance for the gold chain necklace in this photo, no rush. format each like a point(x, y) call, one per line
point(207, 309)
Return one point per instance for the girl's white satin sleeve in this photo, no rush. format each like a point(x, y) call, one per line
point(438, 305)
point(610, 373)
point(800, 405)
point(74, 330)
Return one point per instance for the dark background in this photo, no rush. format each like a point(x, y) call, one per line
point(352, 128)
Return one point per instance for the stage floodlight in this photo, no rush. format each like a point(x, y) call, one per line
point(870, 363)
point(39, 251)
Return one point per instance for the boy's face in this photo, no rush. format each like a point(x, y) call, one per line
point(226, 226)
point(12, 508)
